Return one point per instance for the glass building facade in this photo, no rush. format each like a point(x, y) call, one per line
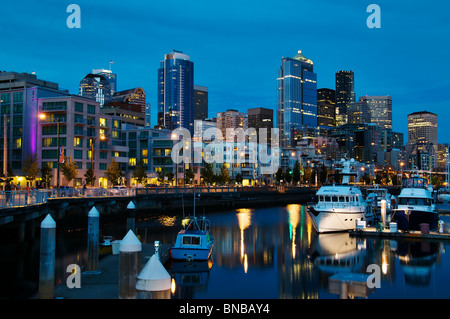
point(296, 96)
point(95, 86)
point(176, 92)
point(345, 94)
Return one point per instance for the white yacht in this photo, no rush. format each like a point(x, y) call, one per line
point(339, 206)
point(415, 205)
point(379, 194)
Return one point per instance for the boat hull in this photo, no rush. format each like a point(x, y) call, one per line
point(191, 254)
point(411, 219)
point(335, 221)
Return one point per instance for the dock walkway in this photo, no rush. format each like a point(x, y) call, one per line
point(386, 233)
point(106, 284)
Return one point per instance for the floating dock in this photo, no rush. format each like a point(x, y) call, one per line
point(387, 233)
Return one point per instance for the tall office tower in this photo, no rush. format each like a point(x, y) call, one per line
point(261, 118)
point(326, 107)
point(345, 93)
point(422, 146)
point(200, 102)
point(422, 127)
point(296, 96)
point(176, 92)
point(111, 77)
point(231, 119)
point(95, 86)
point(371, 109)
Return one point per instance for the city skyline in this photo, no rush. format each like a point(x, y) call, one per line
point(237, 48)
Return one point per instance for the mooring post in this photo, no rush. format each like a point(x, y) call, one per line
point(93, 239)
point(47, 258)
point(130, 251)
point(131, 216)
point(154, 282)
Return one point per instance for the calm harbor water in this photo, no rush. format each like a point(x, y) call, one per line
point(259, 253)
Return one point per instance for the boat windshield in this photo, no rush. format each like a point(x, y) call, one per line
point(415, 182)
point(191, 240)
point(414, 201)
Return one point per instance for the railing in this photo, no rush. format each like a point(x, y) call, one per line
point(22, 198)
point(91, 192)
point(212, 189)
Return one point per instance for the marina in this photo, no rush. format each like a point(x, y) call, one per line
point(271, 252)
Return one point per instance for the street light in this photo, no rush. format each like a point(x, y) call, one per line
point(43, 117)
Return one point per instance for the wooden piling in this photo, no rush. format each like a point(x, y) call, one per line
point(47, 258)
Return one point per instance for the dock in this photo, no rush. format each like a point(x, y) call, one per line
point(105, 283)
point(386, 233)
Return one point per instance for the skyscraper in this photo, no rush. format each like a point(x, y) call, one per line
point(95, 86)
point(231, 119)
point(371, 109)
point(345, 93)
point(261, 118)
point(111, 77)
point(176, 92)
point(422, 146)
point(296, 96)
point(200, 102)
point(326, 107)
point(422, 128)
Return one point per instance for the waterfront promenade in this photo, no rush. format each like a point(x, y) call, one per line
point(29, 204)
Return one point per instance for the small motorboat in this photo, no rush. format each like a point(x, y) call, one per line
point(193, 242)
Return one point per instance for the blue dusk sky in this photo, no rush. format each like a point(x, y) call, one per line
point(237, 46)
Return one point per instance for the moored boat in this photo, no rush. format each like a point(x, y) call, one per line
point(194, 242)
point(339, 206)
point(415, 205)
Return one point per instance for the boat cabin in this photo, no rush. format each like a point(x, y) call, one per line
point(351, 200)
point(415, 182)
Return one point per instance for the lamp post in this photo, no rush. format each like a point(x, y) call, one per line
point(43, 116)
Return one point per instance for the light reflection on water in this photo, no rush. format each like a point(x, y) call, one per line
point(259, 253)
point(275, 253)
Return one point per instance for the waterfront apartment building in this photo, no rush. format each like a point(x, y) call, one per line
point(345, 94)
point(19, 94)
point(326, 107)
point(87, 136)
point(176, 92)
point(296, 96)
